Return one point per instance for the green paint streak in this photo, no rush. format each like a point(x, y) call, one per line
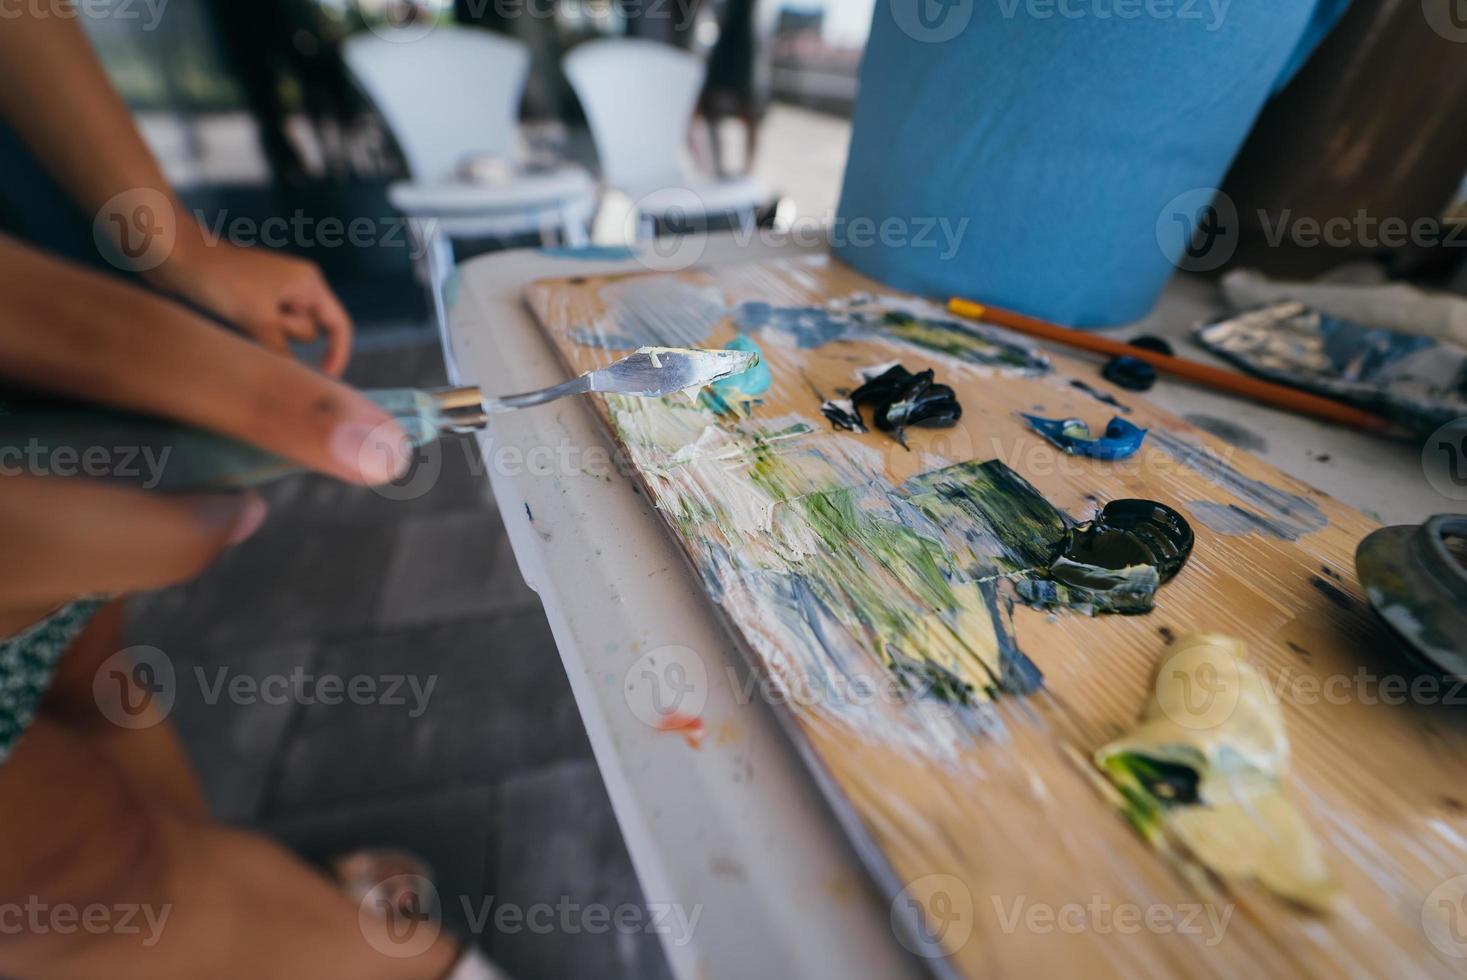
point(1142, 810)
point(1025, 532)
point(956, 340)
point(910, 573)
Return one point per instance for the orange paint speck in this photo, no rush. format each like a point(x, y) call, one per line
point(690, 727)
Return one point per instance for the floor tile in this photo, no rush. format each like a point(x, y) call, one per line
point(233, 708)
point(291, 579)
point(558, 848)
point(492, 782)
point(490, 699)
point(449, 829)
point(447, 566)
point(446, 475)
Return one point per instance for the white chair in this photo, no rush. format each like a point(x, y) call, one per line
point(452, 94)
point(638, 97)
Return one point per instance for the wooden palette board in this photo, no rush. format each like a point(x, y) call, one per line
point(1002, 857)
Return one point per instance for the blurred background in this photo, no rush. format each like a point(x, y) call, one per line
point(253, 113)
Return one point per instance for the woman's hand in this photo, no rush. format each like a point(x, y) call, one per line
point(272, 297)
point(93, 337)
point(89, 336)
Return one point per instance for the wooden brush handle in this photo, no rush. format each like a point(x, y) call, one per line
point(1204, 374)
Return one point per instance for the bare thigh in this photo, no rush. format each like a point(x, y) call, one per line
point(150, 753)
point(97, 879)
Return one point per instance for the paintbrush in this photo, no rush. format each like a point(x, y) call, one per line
point(194, 459)
point(1269, 393)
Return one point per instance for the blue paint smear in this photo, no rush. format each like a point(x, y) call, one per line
point(1121, 439)
point(590, 253)
point(452, 285)
point(1235, 521)
point(738, 389)
point(810, 326)
point(1272, 511)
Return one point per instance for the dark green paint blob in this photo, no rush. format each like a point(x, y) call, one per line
point(997, 524)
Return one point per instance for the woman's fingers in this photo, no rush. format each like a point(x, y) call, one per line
point(92, 337)
point(65, 538)
point(335, 324)
point(276, 338)
point(300, 327)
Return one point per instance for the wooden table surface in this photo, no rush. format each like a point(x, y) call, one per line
point(735, 827)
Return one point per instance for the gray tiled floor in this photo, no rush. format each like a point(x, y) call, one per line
point(487, 774)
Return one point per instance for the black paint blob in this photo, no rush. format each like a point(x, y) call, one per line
point(1129, 373)
point(898, 398)
point(1133, 532)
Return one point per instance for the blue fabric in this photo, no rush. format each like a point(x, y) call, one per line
point(1063, 142)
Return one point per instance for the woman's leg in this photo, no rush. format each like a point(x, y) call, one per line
point(98, 879)
point(151, 756)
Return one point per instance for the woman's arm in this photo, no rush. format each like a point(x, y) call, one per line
point(97, 338)
point(55, 94)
